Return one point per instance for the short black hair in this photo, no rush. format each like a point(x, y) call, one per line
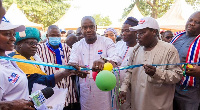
point(52, 27)
point(168, 31)
point(88, 17)
point(118, 38)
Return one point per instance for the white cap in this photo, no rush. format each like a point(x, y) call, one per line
point(146, 22)
point(6, 25)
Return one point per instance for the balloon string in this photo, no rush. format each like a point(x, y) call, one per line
point(185, 65)
point(117, 74)
point(112, 97)
point(83, 69)
point(119, 88)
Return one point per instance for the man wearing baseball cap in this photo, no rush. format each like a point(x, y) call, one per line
point(63, 32)
point(152, 88)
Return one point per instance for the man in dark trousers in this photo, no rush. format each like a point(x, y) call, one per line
point(187, 95)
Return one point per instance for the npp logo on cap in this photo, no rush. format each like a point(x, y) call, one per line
point(141, 21)
point(146, 22)
point(5, 20)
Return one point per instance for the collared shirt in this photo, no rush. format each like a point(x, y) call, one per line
point(124, 51)
point(13, 83)
point(156, 92)
point(182, 45)
point(91, 98)
point(186, 94)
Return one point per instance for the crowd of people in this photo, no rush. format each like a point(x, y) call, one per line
point(167, 86)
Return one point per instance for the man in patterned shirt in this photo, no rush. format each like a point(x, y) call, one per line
point(53, 51)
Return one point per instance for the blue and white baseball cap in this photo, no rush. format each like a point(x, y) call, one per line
point(6, 25)
point(62, 30)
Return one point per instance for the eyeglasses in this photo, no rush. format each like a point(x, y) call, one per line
point(32, 43)
point(91, 27)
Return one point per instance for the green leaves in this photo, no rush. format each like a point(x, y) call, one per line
point(44, 12)
point(155, 8)
point(102, 21)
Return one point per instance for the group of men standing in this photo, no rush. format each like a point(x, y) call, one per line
point(143, 88)
point(151, 87)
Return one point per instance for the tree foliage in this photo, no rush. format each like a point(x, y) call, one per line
point(154, 8)
point(102, 21)
point(44, 12)
point(194, 3)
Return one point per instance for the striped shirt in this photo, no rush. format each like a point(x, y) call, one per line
point(49, 57)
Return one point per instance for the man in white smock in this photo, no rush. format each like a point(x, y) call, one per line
point(125, 49)
point(89, 52)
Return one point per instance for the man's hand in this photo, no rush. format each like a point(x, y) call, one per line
point(17, 105)
point(195, 71)
point(82, 74)
point(98, 65)
point(67, 72)
point(113, 63)
point(149, 69)
point(122, 97)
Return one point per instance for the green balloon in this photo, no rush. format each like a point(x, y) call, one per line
point(105, 80)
